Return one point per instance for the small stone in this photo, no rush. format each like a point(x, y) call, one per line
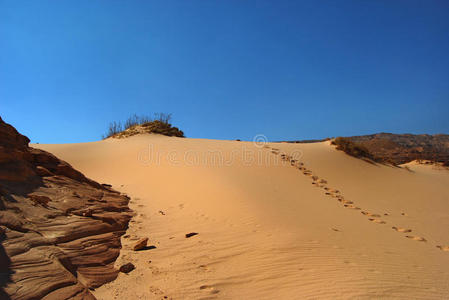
point(191, 234)
point(126, 268)
point(141, 244)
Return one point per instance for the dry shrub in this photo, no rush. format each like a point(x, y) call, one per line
point(135, 124)
point(354, 149)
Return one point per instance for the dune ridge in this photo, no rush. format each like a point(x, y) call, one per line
point(295, 221)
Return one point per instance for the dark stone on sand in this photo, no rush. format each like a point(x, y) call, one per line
point(191, 234)
point(126, 268)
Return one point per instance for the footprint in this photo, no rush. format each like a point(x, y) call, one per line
point(400, 229)
point(210, 288)
point(352, 206)
point(346, 202)
point(443, 248)
point(155, 270)
point(370, 214)
point(285, 157)
point(416, 238)
point(378, 221)
point(156, 290)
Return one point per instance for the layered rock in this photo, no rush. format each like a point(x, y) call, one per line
point(59, 231)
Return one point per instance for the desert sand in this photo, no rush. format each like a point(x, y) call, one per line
point(325, 225)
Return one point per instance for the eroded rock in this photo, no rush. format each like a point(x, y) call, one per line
point(59, 231)
point(141, 244)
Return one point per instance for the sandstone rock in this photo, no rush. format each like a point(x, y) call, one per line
point(126, 268)
point(39, 199)
point(59, 231)
point(141, 244)
point(41, 171)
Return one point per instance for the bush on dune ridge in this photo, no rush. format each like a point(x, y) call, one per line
point(354, 149)
point(135, 124)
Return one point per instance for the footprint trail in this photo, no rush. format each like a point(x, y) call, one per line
point(338, 195)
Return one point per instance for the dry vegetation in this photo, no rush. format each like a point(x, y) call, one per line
point(355, 149)
point(135, 124)
point(404, 148)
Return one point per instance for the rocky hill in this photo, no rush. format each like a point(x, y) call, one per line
point(403, 148)
point(59, 231)
point(398, 148)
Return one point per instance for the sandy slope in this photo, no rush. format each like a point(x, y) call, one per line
point(265, 231)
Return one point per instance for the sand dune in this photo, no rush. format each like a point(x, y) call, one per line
point(280, 221)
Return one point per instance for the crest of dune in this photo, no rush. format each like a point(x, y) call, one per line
point(238, 220)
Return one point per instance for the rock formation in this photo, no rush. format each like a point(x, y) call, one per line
point(59, 231)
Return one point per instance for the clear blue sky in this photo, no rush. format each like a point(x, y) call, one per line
point(225, 69)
